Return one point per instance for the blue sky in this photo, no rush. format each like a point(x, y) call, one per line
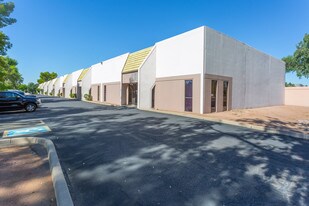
point(67, 35)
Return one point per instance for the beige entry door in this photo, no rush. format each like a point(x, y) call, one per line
point(218, 93)
point(132, 94)
point(214, 85)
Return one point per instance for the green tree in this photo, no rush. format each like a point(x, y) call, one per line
point(32, 88)
point(10, 77)
point(5, 11)
point(46, 76)
point(299, 61)
point(289, 84)
point(23, 87)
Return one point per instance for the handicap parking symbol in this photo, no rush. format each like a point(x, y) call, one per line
point(26, 131)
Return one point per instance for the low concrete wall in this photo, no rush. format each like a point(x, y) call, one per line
point(298, 96)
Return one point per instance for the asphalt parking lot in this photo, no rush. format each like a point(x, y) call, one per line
point(123, 156)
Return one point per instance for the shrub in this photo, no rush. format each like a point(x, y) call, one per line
point(73, 95)
point(51, 94)
point(88, 97)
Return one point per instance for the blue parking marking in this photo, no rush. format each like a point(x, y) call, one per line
point(26, 131)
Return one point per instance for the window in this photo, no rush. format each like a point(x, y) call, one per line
point(11, 95)
point(188, 95)
point(213, 95)
point(8, 95)
point(153, 94)
point(225, 93)
point(2, 95)
point(104, 94)
point(99, 93)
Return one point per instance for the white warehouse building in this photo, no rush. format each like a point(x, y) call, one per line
point(199, 71)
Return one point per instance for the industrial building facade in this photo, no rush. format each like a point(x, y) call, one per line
point(200, 71)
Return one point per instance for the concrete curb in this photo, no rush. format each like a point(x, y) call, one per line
point(61, 189)
point(286, 132)
point(100, 103)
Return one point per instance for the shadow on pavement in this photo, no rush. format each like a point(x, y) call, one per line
point(118, 156)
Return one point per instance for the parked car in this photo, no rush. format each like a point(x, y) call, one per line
point(11, 100)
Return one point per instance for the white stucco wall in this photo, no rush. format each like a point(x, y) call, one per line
point(108, 71)
point(75, 76)
point(46, 86)
point(258, 79)
point(71, 82)
point(86, 83)
point(41, 86)
point(58, 84)
point(276, 91)
point(97, 73)
point(51, 85)
point(146, 81)
point(68, 86)
point(112, 69)
point(181, 55)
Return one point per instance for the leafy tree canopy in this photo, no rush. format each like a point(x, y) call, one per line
point(299, 61)
point(46, 76)
point(10, 78)
point(23, 87)
point(5, 44)
point(289, 84)
point(5, 11)
point(32, 88)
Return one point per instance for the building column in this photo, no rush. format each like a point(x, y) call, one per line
point(219, 96)
point(207, 96)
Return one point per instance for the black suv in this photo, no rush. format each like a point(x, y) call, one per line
point(10, 100)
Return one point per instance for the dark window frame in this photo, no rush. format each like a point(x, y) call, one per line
point(225, 95)
point(104, 93)
point(214, 99)
point(188, 96)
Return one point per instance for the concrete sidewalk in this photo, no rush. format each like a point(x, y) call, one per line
point(25, 178)
point(287, 120)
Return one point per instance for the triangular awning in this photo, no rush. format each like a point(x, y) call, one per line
point(82, 75)
point(135, 60)
point(66, 78)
